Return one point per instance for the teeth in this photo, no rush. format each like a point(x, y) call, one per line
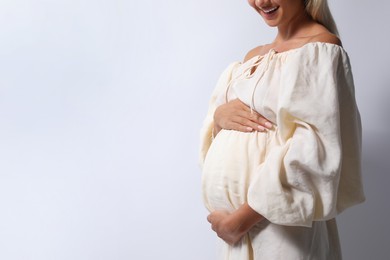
point(269, 10)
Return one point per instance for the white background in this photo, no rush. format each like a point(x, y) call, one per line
point(101, 102)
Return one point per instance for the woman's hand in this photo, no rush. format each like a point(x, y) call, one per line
point(235, 115)
point(231, 227)
point(225, 226)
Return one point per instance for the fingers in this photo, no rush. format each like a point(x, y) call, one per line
point(256, 117)
point(251, 115)
point(263, 122)
point(215, 220)
point(254, 121)
point(241, 128)
point(236, 115)
point(246, 125)
point(210, 220)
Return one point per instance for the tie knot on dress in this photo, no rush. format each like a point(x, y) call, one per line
point(250, 71)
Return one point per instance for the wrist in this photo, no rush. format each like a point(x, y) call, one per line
point(215, 130)
point(245, 218)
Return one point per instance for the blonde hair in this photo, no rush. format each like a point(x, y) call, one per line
point(320, 12)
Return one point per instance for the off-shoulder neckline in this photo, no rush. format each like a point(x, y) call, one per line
point(283, 53)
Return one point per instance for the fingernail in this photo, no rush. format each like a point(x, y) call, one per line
point(261, 129)
point(268, 125)
point(250, 129)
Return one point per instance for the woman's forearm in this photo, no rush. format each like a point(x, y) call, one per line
point(246, 217)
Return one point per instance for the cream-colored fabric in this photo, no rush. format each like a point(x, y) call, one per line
point(303, 172)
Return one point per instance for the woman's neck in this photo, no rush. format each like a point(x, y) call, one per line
point(295, 28)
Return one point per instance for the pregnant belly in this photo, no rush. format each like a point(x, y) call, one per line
point(229, 165)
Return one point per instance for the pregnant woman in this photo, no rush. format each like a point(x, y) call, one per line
point(281, 143)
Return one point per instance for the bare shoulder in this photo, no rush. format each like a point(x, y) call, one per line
point(326, 37)
point(254, 52)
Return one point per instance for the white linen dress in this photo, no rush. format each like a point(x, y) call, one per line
point(304, 171)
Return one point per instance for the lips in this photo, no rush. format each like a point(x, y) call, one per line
point(269, 10)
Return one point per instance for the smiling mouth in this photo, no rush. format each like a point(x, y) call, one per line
point(269, 10)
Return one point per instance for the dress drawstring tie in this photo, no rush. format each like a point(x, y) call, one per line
point(264, 58)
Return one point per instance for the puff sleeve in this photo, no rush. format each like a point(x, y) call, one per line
point(208, 123)
point(314, 172)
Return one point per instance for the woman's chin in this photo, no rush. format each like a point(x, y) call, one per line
point(271, 23)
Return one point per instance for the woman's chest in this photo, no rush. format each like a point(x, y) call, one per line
point(260, 92)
